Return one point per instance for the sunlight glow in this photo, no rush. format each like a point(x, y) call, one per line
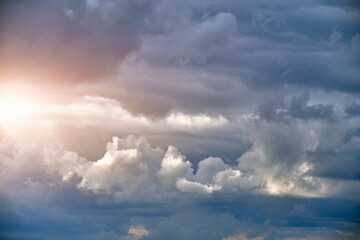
point(13, 108)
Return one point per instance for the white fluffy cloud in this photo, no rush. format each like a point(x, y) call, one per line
point(132, 166)
point(173, 166)
point(127, 164)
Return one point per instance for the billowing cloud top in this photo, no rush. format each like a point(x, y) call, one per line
point(139, 119)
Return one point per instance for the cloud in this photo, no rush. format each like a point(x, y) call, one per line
point(335, 158)
point(208, 168)
point(185, 185)
point(195, 121)
point(195, 42)
point(127, 164)
point(131, 166)
point(138, 232)
point(174, 166)
point(243, 237)
point(190, 223)
point(353, 110)
point(68, 41)
point(127, 179)
point(297, 108)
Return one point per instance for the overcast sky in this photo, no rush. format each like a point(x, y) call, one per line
point(164, 119)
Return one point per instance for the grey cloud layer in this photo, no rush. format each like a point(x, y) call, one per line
point(259, 44)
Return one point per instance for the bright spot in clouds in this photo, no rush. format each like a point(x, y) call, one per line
point(13, 108)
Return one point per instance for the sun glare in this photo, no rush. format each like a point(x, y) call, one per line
point(14, 108)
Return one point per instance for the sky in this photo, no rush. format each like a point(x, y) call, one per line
point(183, 120)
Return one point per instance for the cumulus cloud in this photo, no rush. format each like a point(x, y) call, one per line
point(127, 164)
point(132, 166)
point(208, 168)
point(174, 166)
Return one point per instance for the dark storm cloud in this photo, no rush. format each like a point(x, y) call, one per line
point(313, 44)
point(353, 110)
point(221, 55)
point(297, 108)
point(338, 159)
point(331, 164)
point(310, 45)
point(210, 218)
point(349, 4)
